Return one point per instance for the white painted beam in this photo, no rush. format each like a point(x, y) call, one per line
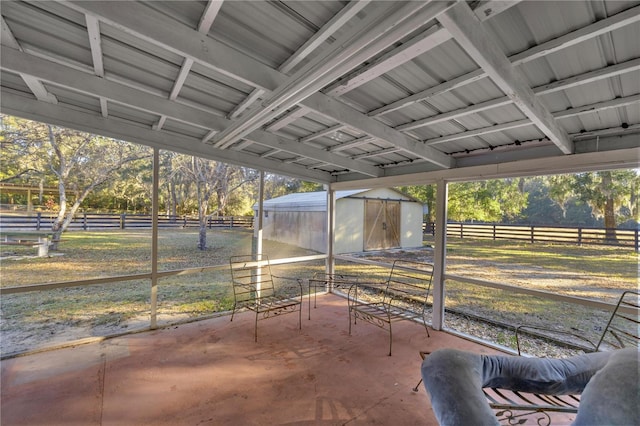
point(375, 33)
point(376, 30)
point(535, 52)
point(628, 158)
point(322, 133)
point(95, 43)
point(18, 62)
point(418, 45)
point(37, 88)
point(338, 111)
point(209, 15)
point(376, 153)
point(622, 19)
point(556, 86)
point(181, 78)
point(427, 40)
point(165, 33)
point(334, 24)
point(571, 112)
point(71, 118)
point(479, 44)
point(351, 144)
point(287, 119)
point(327, 30)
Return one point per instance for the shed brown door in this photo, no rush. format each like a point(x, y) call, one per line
point(381, 224)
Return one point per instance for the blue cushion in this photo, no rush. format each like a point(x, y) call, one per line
point(454, 380)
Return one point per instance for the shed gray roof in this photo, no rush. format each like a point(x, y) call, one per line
point(312, 201)
point(354, 94)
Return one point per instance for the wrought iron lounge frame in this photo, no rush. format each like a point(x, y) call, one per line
point(254, 289)
point(512, 407)
point(403, 296)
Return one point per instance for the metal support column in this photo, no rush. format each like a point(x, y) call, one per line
point(331, 229)
point(440, 255)
point(154, 239)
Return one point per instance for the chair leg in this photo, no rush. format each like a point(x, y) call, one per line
point(417, 386)
point(256, 328)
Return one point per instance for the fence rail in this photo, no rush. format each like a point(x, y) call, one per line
point(94, 221)
point(541, 234)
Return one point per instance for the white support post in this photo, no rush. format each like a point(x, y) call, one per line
point(154, 239)
point(331, 228)
point(440, 255)
point(258, 231)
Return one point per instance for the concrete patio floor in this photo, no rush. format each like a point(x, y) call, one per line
point(211, 372)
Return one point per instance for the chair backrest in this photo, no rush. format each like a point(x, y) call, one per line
point(251, 277)
point(410, 280)
point(623, 328)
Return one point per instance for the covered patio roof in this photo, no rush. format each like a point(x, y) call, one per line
point(353, 94)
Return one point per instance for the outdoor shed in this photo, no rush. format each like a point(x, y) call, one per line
point(370, 219)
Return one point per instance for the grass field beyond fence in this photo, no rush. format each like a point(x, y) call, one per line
point(33, 319)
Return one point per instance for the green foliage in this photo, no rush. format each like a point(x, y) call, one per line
point(485, 201)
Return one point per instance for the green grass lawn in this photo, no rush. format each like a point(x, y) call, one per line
point(29, 319)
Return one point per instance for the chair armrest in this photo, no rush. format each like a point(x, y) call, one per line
point(293, 281)
point(352, 294)
point(591, 346)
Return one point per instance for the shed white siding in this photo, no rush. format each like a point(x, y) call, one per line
point(300, 219)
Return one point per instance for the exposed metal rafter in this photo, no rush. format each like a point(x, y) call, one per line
point(60, 75)
point(608, 24)
point(478, 43)
point(37, 88)
point(204, 25)
point(590, 77)
point(160, 31)
point(427, 40)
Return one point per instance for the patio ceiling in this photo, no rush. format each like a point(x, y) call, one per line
point(353, 94)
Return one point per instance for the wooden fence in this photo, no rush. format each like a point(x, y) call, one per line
point(541, 234)
point(95, 221)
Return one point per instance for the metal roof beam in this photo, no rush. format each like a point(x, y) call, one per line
point(427, 40)
point(377, 29)
point(204, 25)
point(571, 112)
point(18, 62)
point(37, 88)
point(479, 44)
point(61, 115)
point(95, 43)
point(327, 30)
point(608, 24)
point(160, 31)
point(556, 86)
point(340, 112)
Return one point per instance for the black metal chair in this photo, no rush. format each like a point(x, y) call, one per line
point(254, 289)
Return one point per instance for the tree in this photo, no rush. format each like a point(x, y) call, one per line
point(612, 195)
point(79, 162)
point(211, 178)
point(487, 201)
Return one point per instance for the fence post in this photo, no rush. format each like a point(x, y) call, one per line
point(39, 218)
point(494, 232)
point(461, 231)
point(184, 219)
point(209, 219)
point(84, 221)
point(123, 218)
point(533, 238)
point(231, 222)
point(579, 236)
point(635, 237)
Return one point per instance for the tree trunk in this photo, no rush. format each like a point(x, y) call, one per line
point(609, 210)
point(610, 221)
